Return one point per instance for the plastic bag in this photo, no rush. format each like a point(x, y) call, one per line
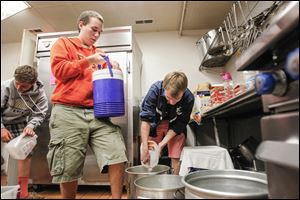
point(154, 155)
point(20, 147)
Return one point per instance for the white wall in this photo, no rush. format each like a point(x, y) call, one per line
point(164, 52)
point(10, 57)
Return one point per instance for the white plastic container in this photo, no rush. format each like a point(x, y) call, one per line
point(9, 192)
point(20, 147)
point(154, 157)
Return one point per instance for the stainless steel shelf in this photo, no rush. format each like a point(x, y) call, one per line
point(239, 105)
point(286, 19)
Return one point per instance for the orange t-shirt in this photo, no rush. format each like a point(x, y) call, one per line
point(74, 85)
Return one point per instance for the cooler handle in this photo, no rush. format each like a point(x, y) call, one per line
point(106, 58)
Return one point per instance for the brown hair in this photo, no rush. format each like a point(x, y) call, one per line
point(25, 74)
point(175, 82)
point(85, 17)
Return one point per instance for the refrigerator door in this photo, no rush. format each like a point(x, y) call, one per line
point(39, 168)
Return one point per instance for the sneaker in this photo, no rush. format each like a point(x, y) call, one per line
point(34, 195)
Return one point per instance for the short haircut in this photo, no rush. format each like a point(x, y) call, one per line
point(85, 17)
point(175, 82)
point(25, 74)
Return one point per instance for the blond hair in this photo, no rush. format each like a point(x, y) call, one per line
point(85, 17)
point(175, 82)
point(25, 74)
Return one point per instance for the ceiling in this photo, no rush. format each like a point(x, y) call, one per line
point(56, 16)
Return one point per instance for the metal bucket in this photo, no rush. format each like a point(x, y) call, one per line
point(219, 184)
point(204, 44)
point(159, 187)
point(139, 171)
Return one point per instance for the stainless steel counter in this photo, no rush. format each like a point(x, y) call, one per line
point(245, 102)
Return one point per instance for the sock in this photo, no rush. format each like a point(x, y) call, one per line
point(23, 182)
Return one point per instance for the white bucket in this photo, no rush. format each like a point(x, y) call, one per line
point(20, 147)
point(9, 192)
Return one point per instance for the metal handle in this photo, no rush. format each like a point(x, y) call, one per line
point(229, 37)
point(242, 12)
point(249, 11)
point(235, 18)
point(282, 153)
point(106, 58)
point(223, 38)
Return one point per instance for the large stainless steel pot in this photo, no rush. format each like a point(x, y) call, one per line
point(204, 44)
point(210, 38)
point(215, 184)
point(220, 45)
point(215, 61)
point(139, 171)
point(159, 187)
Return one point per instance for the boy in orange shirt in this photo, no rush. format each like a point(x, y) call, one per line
point(72, 124)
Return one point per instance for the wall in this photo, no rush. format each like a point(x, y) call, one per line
point(10, 57)
point(164, 52)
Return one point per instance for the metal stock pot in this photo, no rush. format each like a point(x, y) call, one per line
point(205, 45)
point(216, 184)
point(159, 187)
point(139, 171)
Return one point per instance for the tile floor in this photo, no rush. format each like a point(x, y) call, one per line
point(84, 191)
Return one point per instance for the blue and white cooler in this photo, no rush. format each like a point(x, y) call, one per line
point(108, 93)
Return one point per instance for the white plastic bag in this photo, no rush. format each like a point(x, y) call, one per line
point(20, 147)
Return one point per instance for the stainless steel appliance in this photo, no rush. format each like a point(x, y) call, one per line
point(276, 54)
point(121, 46)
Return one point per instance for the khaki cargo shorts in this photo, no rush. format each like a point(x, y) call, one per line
point(72, 129)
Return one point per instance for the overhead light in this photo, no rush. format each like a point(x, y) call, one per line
point(9, 8)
